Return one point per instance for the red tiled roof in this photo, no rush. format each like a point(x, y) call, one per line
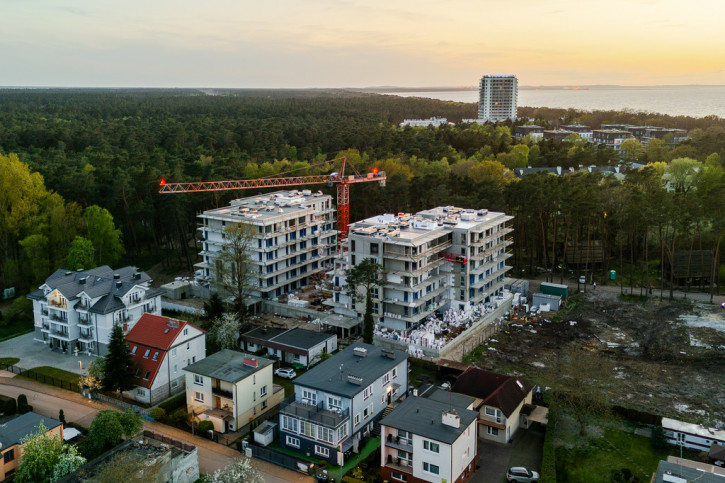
point(154, 334)
point(496, 390)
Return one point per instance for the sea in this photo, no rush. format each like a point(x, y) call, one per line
point(695, 101)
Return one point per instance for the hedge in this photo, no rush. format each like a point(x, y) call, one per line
point(548, 462)
point(7, 405)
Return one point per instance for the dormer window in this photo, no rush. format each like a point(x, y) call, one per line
point(156, 356)
point(146, 354)
point(133, 351)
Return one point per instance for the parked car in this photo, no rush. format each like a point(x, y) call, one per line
point(286, 372)
point(519, 474)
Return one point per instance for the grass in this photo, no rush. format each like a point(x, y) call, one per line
point(334, 470)
point(289, 387)
point(69, 377)
point(8, 361)
point(14, 329)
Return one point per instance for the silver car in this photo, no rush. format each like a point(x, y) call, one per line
point(286, 372)
point(519, 474)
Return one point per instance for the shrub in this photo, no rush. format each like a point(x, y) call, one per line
point(159, 413)
point(548, 463)
point(8, 406)
point(61, 416)
point(176, 402)
point(658, 438)
point(178, 417)
point(23, 406)
point(204, 427)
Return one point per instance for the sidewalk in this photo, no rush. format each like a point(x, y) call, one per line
point(212, 456)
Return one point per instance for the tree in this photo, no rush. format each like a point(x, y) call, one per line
point(234, 265)
point(92, 380)
point(80, 254)
point(240, 470)
point(118, 373)
point(61, 416)
point(46, 458)
point(103, 234)
point(213, 308)
point(366, 275)
point(109, 427)
point(225, 331)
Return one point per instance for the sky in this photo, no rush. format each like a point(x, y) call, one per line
point(359, 43)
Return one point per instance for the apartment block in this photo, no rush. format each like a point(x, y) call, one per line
point(498, 95)
point(584, 132)
point(445, 257)
point(294, 239)
point(337, 402)
point(612, 138)
point(533, 131)
point(77, 310)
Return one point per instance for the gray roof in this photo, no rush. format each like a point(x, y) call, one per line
point(422, 416)
point(228, 365)
point(429, 391)
point(15, 429)
point(326, 376)
point(294, 337)
point(686, 472)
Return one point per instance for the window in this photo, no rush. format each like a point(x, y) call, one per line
point(156, 356)
point(264, 404)
point(198, 396)
point(431, 446)
point(307, 429)
point(146, 377)
point(186, 331)
point(492, 431)
point(173, 352)
point(357, 419)
point(386, 378)
point(188, 346)
point(398, 476)
point(342, 432)
point(294, 442)
point(367, 412)
point(322, 451)
point(494, 413)
point(395, 372)
point(263, 391)
point(334, 402)
point(324, 434)
point(429, 468)
point(9, 455)
point(290, 424)
point(133, 351)
point(140, 391)
point(374, 248)
point(146, 354)
point(405, 437)
point(309, 397)
point(368, 392)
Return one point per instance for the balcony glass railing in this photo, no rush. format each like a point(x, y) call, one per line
point(314, 412)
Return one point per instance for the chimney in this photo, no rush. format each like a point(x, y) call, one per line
point(251, 362)
point(360, 351)
point(69, 273)
point(83, 280)
point(390, 354)
point(355, 379)
point(116, 276)
point(451, 418)
point(119, 284)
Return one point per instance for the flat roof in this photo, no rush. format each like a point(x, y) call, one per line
point(268, 206)
point(228, 365)
point(423, 416)
point(692, 428)
point(326, 375)
point(295, 337)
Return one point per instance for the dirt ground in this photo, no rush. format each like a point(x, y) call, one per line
point(664, 357)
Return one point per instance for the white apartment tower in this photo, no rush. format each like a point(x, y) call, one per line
point(295, 238)
point(436, 259)
point(498, 95)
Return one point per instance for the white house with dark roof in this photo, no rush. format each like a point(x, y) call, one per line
point(293, 346)
point(79, 309)
point(430, 439)
point(338, 401)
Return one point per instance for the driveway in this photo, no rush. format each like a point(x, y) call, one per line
point(524, 450)
point(34, 354)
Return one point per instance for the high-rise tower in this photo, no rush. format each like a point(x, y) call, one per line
point(498, 95)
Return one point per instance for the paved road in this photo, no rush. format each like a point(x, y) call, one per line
point(47, 400)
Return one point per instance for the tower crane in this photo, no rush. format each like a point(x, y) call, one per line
point(340, 179)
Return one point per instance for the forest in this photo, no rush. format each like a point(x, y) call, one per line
point(80, 170)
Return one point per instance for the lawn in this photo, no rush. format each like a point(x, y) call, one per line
point(14, 329)
point(47, 371)
point(289, 387)
point(8, 361)
point(334, 470)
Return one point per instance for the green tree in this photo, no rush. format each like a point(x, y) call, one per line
point(109, 427)
point(234, 267)
point(80, 254)
point(632, 150)
point(366, 275)
point(92, 379)
point(46, 458)
point(103, 234)
point(240, 470)
point(118, 373)
point(213, 308)
point(681, 174)
point(225, 331)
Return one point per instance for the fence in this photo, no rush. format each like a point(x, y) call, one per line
point(53, 381)
point(165, 439)
point(280, 459)
point(146, 413)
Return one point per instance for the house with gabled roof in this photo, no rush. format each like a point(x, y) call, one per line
point(77, 310)
point(161, 348)
point(499, 401)
point(12, 432)
point(294, 346)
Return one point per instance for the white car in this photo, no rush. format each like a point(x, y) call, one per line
point(286, 372)
point(518, 474)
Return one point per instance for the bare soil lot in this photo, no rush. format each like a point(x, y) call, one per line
point(663, 357)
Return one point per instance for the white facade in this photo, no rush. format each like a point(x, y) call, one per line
point(446, 257)
point(692, 436)
point(295, 238)
point(78, 310)
point(433, 121)
point(498, 96)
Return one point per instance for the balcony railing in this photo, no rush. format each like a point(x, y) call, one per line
point(84, 322)
point(56, 303)
point(314, 412)
point(57, 318)
point(87, 336)
point(222, 393)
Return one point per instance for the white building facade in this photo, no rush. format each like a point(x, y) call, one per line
point(445, 257)
point(78, 310)
point(497, 98)
point(294, 238)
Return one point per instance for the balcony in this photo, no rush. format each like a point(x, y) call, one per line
point(81, 305)
point(397, 442)
point(56, 303)
point(400, 464)
point(314, 412)
point(86, 336)
point(222, 393)
point(60, 335)
point(55, 317)
point(84, 321)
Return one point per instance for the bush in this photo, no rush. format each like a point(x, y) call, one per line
point(23, 406)
point(61, 416)
point(178, 417)
point(204, 427)
point(176, 402)
point(658, 438)
point(8, 406)
point(21, 310)
point(548, 462)
point(159, 414)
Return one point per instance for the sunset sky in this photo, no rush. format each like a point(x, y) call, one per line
point(355, 43)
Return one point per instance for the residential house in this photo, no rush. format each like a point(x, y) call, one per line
point(231, 389)
point(426, 439)
point(293, 346)
point(680, 470)
point(533, 131)
point(499, 401)
point(13, 430)
point(337, 402)
point(692, 436)
point(294, 238)
point(161, 348)
point(77, 310)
